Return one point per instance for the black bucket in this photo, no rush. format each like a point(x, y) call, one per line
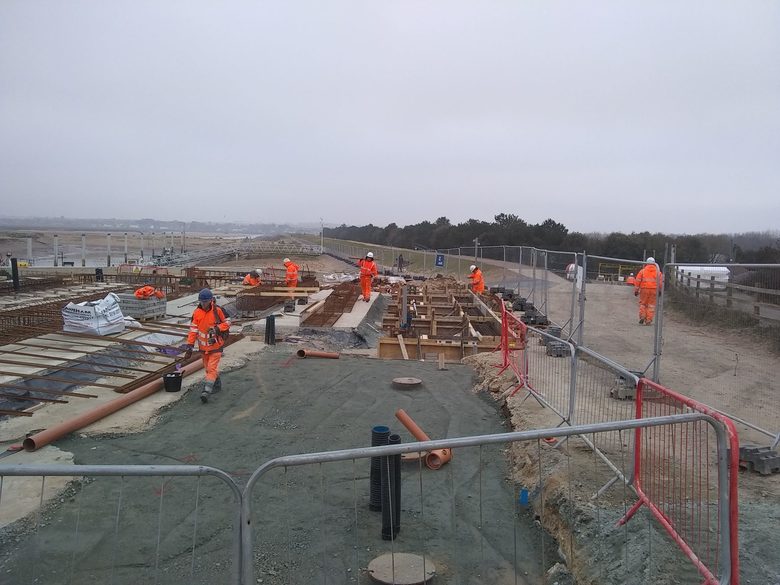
point(172, 382)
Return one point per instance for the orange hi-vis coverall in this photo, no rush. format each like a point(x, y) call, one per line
point(206, 326)
point(148, 291)
point(646, 284)
point(368, 271)
point(251, 280)
point(477, 282)
point(291, 277)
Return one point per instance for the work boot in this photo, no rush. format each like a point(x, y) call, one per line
point(207, 391)
point(217, 385)
point(641, 321)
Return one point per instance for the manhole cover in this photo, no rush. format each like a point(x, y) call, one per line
point(401, 569)
point(407, 382)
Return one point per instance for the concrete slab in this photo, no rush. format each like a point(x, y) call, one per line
point(358, 313)
point(182, 307)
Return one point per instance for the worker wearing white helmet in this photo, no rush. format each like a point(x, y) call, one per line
point(477, 281)
point(291, 276)
point(253, 278)
point(648, 284)
point(368, 271)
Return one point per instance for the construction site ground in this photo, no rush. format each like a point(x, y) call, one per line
point(280, 406)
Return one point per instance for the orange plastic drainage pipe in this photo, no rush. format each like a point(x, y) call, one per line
point(436, 458)
point(303, 353)
point(50, 435)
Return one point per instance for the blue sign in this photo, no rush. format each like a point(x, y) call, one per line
point(440, 260)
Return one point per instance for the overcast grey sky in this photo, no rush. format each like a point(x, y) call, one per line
point(630, 116)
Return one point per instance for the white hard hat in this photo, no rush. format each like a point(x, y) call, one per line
point(651, 260)
point(472, 267)
point(370, 255)
point(259, 270)
point(286, 260)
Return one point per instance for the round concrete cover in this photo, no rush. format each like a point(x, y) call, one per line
point(407, 381)
point(401, 569)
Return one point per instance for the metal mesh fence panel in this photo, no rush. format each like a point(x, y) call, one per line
point(119, 524)
point(477, 519)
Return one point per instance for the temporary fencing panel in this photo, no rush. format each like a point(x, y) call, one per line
point(610, 313)
point(740, 304)
point(309, 520)
point(687, 476)
point(121, 524)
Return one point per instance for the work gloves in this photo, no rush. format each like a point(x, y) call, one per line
point(187, 349)
point(636, 292)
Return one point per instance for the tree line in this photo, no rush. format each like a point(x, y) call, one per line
point(510, 230)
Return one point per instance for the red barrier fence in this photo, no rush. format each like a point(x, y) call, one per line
point(514, 334)
point(675, 477)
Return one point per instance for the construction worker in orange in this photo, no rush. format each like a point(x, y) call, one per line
point(631, 280)
point(368, 271)
point(477, 281)
point(646, 285)
point(253, 278)
point(148, 291)
point(291, 276)
point(210, 327)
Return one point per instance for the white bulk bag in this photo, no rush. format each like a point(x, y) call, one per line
point(102, 317)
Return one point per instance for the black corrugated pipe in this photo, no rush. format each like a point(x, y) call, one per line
point(270, 330)
point(391, 492)
point(379, 436)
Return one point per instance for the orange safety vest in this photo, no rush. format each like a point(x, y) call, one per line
point(630, 280)
point(292, 272)
point(478, 284)
point(251, 280)
point(368, 268)
point(209, 327)
point(648, 277)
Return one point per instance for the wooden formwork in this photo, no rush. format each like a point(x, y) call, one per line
point(446, 319)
